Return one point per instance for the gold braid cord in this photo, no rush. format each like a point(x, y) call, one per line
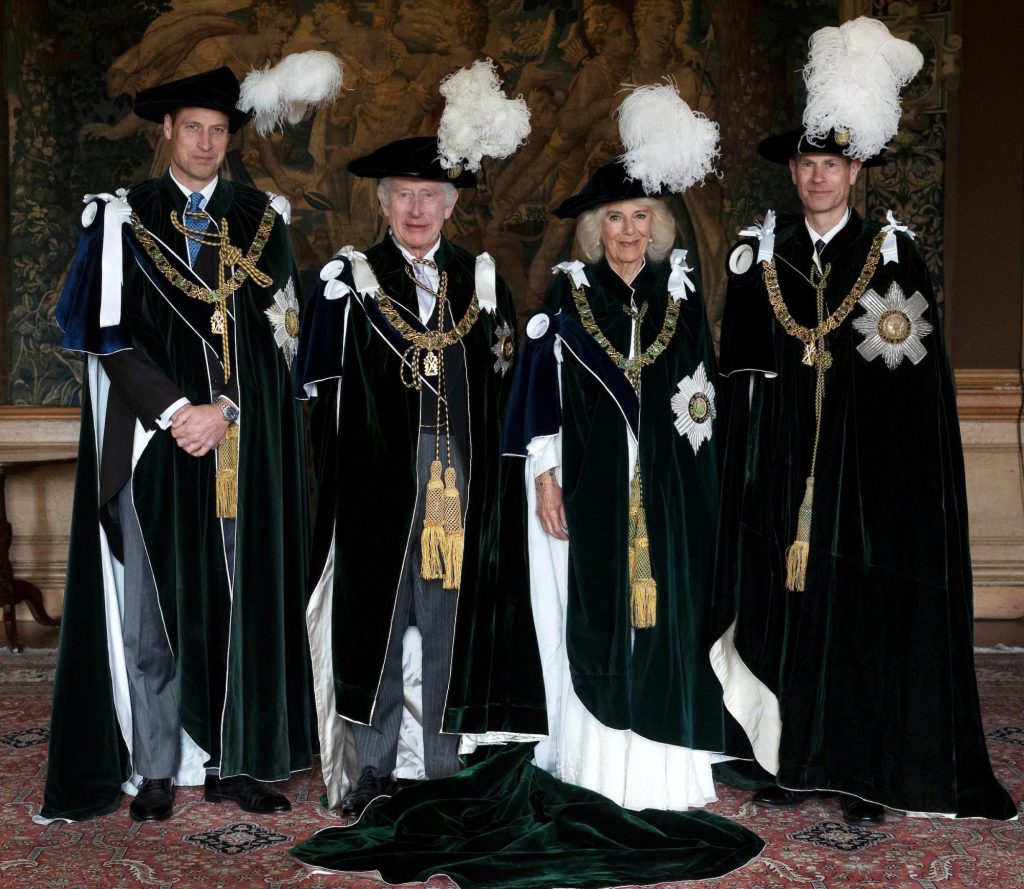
point(643, 590)
point(228, 255)
point(820, 359)
point(442, 539)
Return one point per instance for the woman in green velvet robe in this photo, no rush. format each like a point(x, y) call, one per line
point(615, 406)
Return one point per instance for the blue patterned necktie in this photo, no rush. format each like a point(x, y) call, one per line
point(819, 245)
point(196, 221)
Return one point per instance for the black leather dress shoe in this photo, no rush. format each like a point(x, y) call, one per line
point(154, 801)
point(247, 793)
point(781, 798)
point(859, 811)
point(369, 786)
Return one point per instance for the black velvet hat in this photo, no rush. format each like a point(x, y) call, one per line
point(780, 148)
point(415, 158)
point(216, 89)
point(609, 183)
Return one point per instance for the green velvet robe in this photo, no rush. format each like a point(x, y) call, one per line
point(366, 454)
point(506, 824)
point(656, 682)
point(241, 653)
point(864, 682)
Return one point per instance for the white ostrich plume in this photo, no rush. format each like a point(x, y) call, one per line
point(479, 120)
point(668, 146)
point(854, 75)
point(290, 90)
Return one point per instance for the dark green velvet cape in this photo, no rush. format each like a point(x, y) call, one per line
point(368, 490)
point(506, 824)
point(656, 682)
point(243, 664)
point(872, 664)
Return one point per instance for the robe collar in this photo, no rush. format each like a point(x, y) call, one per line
point(609, 281)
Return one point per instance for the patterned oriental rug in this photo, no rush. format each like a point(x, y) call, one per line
point(208, 846)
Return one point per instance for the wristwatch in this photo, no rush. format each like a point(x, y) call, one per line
point(228, 409)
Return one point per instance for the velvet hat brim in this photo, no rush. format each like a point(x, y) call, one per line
point(608, 184)
point(781, 147)
point(216, 89)
point(414, 158)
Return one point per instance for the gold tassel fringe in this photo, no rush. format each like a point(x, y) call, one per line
point(643, 603)
point(432, 538)
point(454, 538)
point(227, 474)
point(798, 553)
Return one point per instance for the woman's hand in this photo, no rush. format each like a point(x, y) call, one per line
point(550, 508)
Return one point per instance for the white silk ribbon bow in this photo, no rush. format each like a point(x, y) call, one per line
point(116, 213)
point(765, 233)
point(281, 206)
point(889, 253)
point(486, 287)
point(678, 280)
point(575, 270)
point(362, 274)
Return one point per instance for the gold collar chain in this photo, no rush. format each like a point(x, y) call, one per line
point(427, 343)
point(813, 335)
point(632, 367)
point(229, 256)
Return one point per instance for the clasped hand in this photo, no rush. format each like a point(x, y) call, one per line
point(198, 428)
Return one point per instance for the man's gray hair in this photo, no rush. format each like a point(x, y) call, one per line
point(384, 191)
point(663, 231)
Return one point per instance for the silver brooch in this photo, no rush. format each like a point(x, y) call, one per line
point(892, 326)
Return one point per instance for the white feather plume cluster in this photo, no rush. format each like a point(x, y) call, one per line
point(854, 75)
point(667, 144)
point(290, 90)
point(479, 120)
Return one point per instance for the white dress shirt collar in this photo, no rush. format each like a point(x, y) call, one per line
point(206, 191)
point(426, 299)
point(828, 236)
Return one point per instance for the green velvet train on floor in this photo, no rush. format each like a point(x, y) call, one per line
point(506, 824)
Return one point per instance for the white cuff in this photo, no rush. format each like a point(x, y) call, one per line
point(545, 452)
point(164, 420)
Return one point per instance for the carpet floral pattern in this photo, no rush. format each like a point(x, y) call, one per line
point(207, 846)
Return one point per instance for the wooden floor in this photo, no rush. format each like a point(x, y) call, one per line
point(987, 633)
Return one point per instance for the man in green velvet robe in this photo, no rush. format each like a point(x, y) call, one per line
point(843, 591)
point(183, 657)
point(419, 521)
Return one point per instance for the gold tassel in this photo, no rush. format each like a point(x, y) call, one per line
point(227, 474)
point(453, 534)
point(643, 591)
point(432, 538)
point(797, 554)
point(643, 602)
